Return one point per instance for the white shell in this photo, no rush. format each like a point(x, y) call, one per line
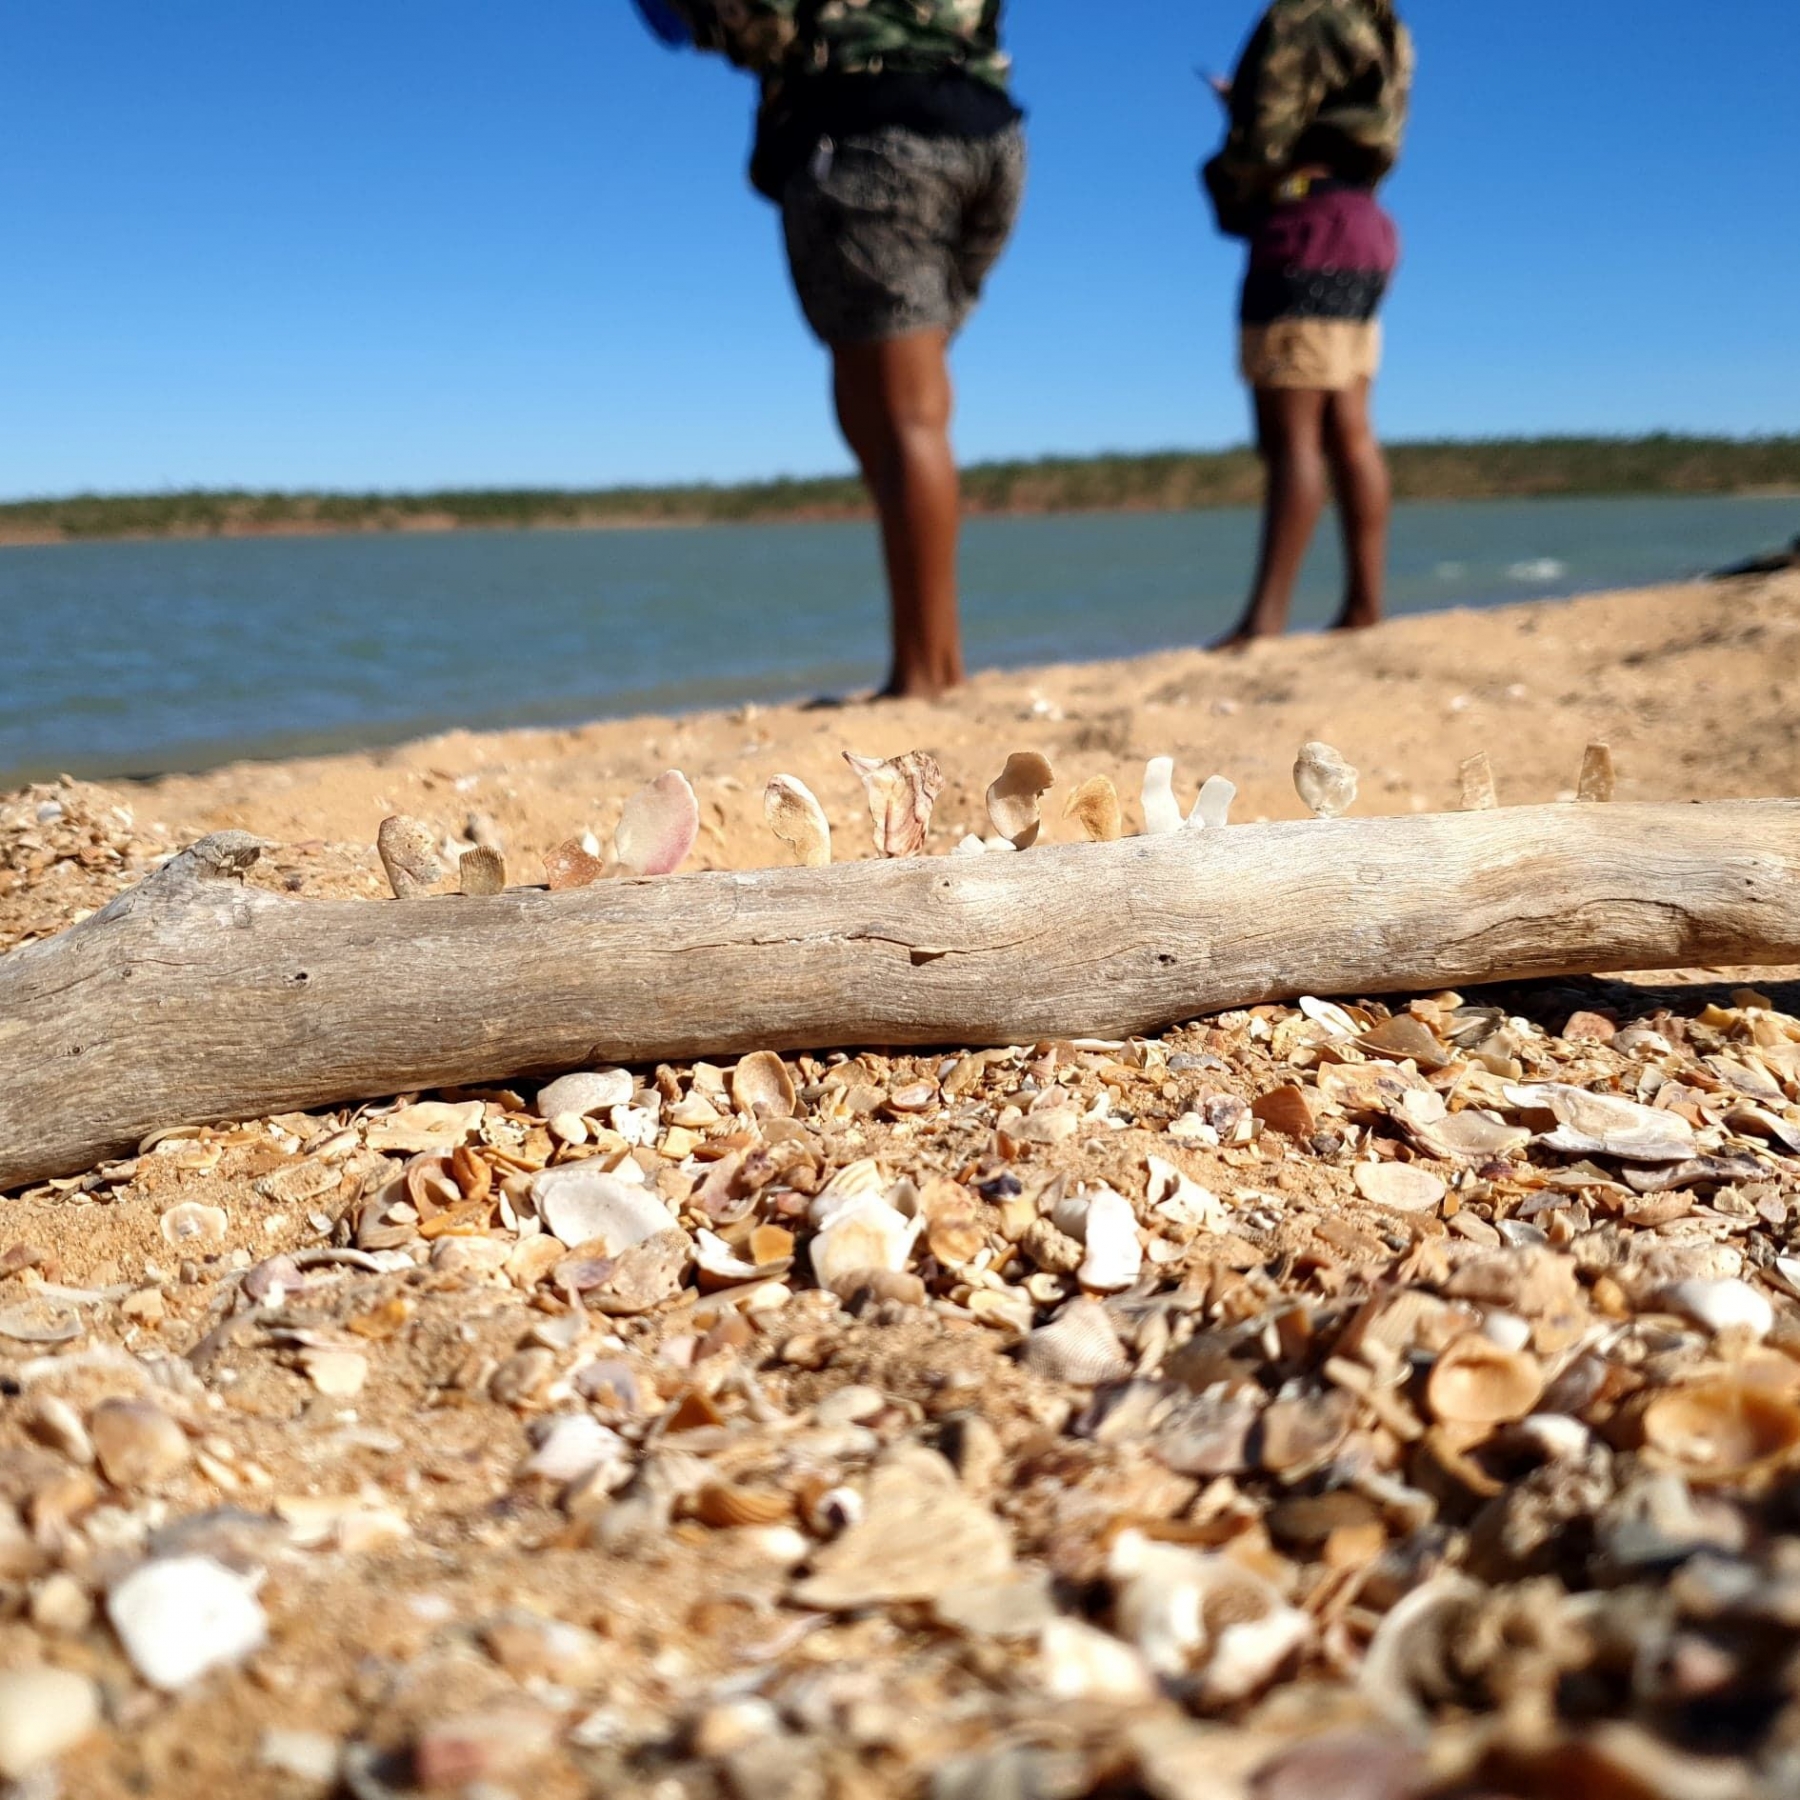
point(1506, 1329)
point(579, 1204)
point(1161, 814)
point(1722, 1305)
point(969, 845)
point(1204, 1614)
point(1212, 810)
point(180, 1616)
point(192, 1223)
point(1554, 1436)
point(796, 817)
point(1081, 1662)
point(1184, 1201)
point(43, 1712)
point(1115, 1254)
point(585, 1093)
point(861, 1234)
point(572, 1445)
point(1589, 1124)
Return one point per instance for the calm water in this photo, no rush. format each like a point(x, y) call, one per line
point(132, 658)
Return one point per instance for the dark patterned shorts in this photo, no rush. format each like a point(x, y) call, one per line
point(891, 231)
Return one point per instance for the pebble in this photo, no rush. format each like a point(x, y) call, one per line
point(850, 1406)
point(456, 1753)
point(731, 1724)
point(1081, 1662)
point(305, 1756)
point(137, 1443)
point(56, 1423)
point(60, 1606)
point(180, 1616)
point(43, 1712)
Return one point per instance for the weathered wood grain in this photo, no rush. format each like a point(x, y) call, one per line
point(195, 998)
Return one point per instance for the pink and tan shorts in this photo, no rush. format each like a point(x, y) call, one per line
point(1320, 265)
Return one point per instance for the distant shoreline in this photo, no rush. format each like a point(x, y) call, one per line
point(1166, 481)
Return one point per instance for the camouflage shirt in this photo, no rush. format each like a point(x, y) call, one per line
point(791, 44)
point(784, 39)
point(1321, 81)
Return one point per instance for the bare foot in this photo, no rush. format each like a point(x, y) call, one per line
point(916, 687)
point(1244, 634)
point(1357, 620)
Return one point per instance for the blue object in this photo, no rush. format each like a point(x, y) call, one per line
point(665, 22)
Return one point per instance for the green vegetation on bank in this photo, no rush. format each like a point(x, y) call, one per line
point(1164, 481)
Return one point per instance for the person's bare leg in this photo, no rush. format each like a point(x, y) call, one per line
point(893, 403)
point(1359, 473)
point(1289, 423)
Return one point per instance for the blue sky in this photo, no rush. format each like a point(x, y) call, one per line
point(393, 243)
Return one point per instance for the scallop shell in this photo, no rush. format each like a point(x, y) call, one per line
point(192, 1223)
point(1115, 1253)
point(1476, 1382)
point(408, 851)
point(1212, 809)
point(1478, 783)
point(1721, 1430)
point(1161, 814)
point(901, 791)
point(1079, 1346)
point(1013, 795)
point(796, 817)
point(571, 866)
point(1095, 804)
point(1597, 780)
point(481, 871)
point(762, 1086)
point(1324, 781)
point(726, 1506)
point(658, 826)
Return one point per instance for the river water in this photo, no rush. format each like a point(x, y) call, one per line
point(135, 658)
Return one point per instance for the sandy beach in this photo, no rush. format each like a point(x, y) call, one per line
point(493, 1507)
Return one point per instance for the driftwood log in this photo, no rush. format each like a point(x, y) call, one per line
point(195, 998)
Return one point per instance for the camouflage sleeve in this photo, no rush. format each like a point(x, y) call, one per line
point(754, 34)
point(1275, 95)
